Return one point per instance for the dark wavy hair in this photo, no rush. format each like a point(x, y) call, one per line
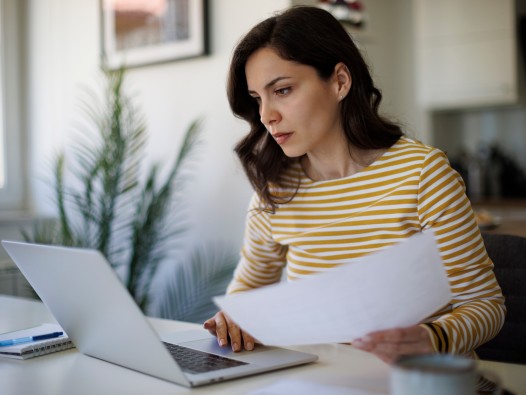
point(313, 37)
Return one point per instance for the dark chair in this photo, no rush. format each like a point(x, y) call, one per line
point(508, 254)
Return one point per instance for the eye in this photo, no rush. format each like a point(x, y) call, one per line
point(257, 99)
point(283, 91)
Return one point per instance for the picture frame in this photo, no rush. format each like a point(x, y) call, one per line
point(143, 32)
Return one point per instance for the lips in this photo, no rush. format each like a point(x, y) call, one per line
point(281, 138)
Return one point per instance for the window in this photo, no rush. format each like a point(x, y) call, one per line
point(2, 150)
point(11, 162)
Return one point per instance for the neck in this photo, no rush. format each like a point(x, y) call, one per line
point(341, 163)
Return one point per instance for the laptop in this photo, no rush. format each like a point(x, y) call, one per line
point(91, 304)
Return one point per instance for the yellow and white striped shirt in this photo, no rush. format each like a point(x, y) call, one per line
point(410, 188)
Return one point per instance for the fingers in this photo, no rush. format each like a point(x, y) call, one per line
point(234, 333)
point(210, 325)
point(389, 345)
point(412, 333)
point(221, 326)
point(248, 341)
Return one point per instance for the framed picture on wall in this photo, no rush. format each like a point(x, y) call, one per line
point(141, 32)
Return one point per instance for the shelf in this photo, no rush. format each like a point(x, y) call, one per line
point(501, 203)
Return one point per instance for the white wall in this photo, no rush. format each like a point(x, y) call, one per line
point(387, 40)
point(63, 58)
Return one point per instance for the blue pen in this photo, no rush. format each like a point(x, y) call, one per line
point(27, 339)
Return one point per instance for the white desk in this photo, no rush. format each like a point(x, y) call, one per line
point(69, 372)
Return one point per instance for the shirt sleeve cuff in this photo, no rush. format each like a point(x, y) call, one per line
point(437, 336)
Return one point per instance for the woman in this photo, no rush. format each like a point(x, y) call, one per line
point(334, 181)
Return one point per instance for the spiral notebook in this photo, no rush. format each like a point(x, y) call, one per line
point(35, 348)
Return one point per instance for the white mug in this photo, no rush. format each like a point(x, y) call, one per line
point(435, 374)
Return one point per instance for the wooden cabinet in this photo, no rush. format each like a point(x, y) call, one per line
point(466, 53)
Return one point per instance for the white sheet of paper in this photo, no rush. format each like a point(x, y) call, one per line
point(396, 287)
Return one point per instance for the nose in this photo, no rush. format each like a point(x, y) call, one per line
point(268, 114)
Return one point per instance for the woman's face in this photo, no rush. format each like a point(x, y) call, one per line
point(298, 108)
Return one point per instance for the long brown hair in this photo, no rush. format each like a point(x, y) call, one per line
point(310, 36)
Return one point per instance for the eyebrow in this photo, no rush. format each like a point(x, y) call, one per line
point(271, 83)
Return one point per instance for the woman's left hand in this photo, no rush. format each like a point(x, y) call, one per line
point(390, 344)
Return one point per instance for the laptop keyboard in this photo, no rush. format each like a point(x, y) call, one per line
point(194, 361)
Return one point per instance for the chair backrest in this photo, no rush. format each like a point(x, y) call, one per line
point(508, 254)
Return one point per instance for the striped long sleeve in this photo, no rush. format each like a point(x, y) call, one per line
point(409, 189)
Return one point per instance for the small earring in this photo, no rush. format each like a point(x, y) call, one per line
point(341, 97)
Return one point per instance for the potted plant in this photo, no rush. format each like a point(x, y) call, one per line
point(107, 207)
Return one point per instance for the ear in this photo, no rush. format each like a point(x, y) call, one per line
point(343, 80)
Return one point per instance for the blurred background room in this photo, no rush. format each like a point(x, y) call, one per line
point(451, 71)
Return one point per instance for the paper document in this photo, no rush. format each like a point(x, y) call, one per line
point(395, 287)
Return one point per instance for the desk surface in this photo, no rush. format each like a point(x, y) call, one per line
point(70, 372)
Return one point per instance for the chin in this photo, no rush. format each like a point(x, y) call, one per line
point(291, 153)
